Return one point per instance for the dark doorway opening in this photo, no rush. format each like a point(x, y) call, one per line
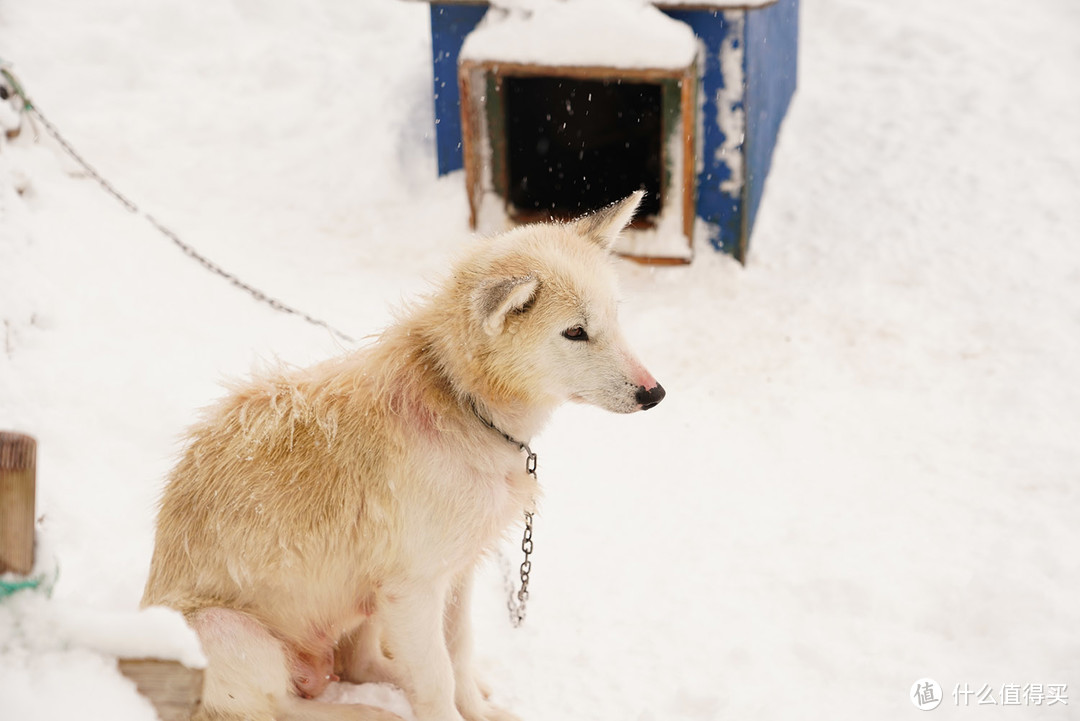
point(578, 145)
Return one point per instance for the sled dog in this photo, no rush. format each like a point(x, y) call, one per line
point(325, 522)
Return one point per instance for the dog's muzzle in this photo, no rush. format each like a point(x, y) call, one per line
point(649, 397)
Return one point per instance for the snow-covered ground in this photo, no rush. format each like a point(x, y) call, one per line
point(867, 469)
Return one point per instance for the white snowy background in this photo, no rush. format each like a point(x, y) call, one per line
point(867, 469)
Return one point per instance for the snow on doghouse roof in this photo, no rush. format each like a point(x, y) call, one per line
point(614, 33)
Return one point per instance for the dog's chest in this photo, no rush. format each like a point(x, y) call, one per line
point(476, 499)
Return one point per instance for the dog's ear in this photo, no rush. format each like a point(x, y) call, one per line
point(496, 298)
point(604, 226)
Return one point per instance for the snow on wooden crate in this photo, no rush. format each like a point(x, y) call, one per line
point(568, 106)
point(155, 649)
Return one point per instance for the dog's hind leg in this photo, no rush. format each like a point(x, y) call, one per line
point(361, 659)
point(248, 675)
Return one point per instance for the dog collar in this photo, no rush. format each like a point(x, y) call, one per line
point(530, 457)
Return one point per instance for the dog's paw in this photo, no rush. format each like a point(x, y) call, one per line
point(473, 701)
point(488, 712)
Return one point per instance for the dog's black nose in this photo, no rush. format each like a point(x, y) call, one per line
point(649, 397)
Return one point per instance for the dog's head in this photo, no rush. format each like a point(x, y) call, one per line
point(542, 305)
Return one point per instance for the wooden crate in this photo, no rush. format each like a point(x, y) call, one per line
point(18, 462)
point(174, 689)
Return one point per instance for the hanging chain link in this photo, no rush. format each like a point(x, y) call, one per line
point(516, 603)
point(33, 111)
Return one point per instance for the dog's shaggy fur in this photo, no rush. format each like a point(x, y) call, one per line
point(328, 520)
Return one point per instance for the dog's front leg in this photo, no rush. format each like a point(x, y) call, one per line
point(468, 694)
point(414, 633)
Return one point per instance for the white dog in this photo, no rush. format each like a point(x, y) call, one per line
point(348, 503)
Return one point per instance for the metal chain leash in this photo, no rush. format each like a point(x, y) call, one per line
point(34, 111)
point(516, 602)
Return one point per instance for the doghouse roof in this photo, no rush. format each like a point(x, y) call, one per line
point(583, 34)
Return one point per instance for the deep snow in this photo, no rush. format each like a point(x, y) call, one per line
point(866, 469)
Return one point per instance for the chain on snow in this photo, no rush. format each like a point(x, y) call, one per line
point(31, 109)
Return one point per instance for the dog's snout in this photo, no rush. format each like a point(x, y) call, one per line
point(649, 397)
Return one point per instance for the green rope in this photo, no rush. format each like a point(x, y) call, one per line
point(16, 87)
point(10, 588)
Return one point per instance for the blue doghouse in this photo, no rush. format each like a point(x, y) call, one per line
point(556, 138)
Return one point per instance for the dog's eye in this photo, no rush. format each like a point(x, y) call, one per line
point(575, 333)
